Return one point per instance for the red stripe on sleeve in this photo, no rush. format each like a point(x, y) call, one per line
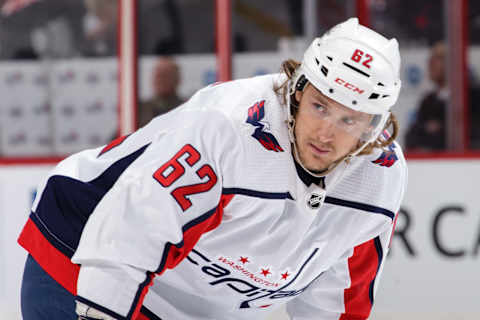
point(54, 262)
point(113, 144)
point(192, 235)
point(362, 265)
point(60, 267)
point(136, 314)
point(393, 230)
point(190, 238)
point(141, 316)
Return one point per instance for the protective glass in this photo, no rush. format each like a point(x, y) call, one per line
point(344, 120)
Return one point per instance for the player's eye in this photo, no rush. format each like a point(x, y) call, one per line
point(320, 108)
point(349, 121)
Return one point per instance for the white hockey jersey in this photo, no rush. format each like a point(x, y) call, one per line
point(204, 214)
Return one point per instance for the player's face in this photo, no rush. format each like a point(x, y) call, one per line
point(326, 130)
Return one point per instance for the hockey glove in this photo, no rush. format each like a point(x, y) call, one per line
point(88, 313)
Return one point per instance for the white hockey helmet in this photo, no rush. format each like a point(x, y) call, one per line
point(356, 67)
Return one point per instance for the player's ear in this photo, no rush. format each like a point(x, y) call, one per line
point(298, 95)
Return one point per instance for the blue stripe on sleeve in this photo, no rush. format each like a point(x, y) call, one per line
point(258, 194)
point(360, 206)
point(379, 249)
point(66, 203)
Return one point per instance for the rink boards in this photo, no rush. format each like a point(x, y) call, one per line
point(432, 269)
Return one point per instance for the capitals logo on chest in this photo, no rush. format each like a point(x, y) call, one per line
point(255, 286)
point(255, 114)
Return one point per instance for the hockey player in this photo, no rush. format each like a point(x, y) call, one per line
point(276, 190)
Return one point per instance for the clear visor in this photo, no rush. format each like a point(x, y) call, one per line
point(336, 119)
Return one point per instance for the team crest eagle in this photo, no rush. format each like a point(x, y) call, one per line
point(387, 158)
point(255, 115)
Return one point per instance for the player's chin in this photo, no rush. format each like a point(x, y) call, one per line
point(317, 165)
point(314, 162)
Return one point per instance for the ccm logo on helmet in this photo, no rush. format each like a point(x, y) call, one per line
point(348, 85)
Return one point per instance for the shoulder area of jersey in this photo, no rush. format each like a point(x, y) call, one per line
point(236, 98)
point(254, 108)
point(267, 80)
point(243, 89)
point(388, 157)
point(384, 168)
point(379, 178)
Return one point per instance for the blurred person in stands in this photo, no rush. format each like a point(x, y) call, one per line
point(277, 190)
point(428, 131)
point(100, 28)
point(40, 29)
point(165, 82)
point(474, 115)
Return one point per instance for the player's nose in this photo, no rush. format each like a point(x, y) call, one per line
point(326, 131)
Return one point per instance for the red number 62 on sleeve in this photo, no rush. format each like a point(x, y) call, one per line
point(172, 170)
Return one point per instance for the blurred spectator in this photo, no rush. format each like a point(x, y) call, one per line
point(40, 29)
point(165, 81)
point(160, 28)
point(474, 116)
point(295, 10)
point(428, 131)
point(27, 53)
point(413, 23)
point(100, 28)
